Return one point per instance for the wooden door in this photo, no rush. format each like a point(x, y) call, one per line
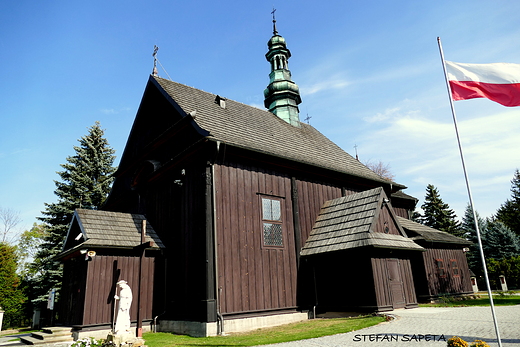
point(395, 281)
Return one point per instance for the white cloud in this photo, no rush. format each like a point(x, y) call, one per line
point(335, 82)
point(110, 111)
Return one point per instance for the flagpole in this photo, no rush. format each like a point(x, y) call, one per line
point(486, 277)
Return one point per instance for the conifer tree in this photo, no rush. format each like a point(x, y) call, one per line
point(509, 212)
point(500, 242)
point(470, 234)
point(438, 214)
point(85, 183)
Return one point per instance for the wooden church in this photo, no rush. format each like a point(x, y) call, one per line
point(256, 219)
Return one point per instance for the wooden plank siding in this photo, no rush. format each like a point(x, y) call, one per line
point(102, 274)
point(385, 297)
point(401, 212)
point(251, 276)
point(385, 217)
point(449, 283)
point(311, 196)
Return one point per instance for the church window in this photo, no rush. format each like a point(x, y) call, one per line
point(441, 270)
point(272, 222)
point(454, 267)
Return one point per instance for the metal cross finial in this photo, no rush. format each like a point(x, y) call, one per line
point(155, 49)
point(275, 32)
point(308, 119)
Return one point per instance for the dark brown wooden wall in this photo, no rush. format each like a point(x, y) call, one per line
point(382, 287)
point(401, 212)
point(102, 275)
point(385, 216)
point(311, 196)
point(449, 284)
point(72, 293)
point(252, 277)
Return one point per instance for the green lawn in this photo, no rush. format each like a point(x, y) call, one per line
point(498, 300)
point(289, 332)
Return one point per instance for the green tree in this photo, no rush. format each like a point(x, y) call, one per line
point(85, 183)
point(499, 241)
point(509, 212)
point(509, 267)
point(438, 215)
point(27, 247)
point(470, 234)
point(11, 295)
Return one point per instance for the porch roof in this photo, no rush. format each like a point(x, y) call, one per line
point(104, 229)
point(423, 232)
point(348, 222)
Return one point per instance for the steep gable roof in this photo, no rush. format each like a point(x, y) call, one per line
point(104, 229)
point(258, 130)
point(426, 233)
point(348, 222)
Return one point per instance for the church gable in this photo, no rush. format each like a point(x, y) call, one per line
point(103, 229)
point(358, 220)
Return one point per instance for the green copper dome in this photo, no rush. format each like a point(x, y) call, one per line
point(282, 95)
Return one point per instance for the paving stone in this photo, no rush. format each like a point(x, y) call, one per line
point(431, 327)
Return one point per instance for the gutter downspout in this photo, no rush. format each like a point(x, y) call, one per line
point(220, 319)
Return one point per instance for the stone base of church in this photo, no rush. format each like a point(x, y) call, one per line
point(231, 325)
point(102, 332)
point(125, 339)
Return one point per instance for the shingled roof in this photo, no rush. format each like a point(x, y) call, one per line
point(259, 130)
point(104, 229)
point(348, 222)
point(423, 232)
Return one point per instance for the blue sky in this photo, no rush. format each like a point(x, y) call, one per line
point(369, 74)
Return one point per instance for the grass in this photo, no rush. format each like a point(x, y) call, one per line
point(285, 333)
point(498, 300)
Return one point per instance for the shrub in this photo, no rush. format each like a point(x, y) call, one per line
point(479, 343)
point(456, 341)
point(91, 342)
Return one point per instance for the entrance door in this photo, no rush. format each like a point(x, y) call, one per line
point(396, 283)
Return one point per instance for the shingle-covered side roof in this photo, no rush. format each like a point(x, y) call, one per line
point(112, 229)
point(249, 127)
point(426, 233)
point(347, 222)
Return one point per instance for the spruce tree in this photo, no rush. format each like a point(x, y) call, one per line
point(85, 183)
point(500, 242)
point(470, 234)
point(438, 214)
point(509, 212)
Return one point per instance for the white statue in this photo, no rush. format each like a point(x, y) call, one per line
point(123, 312)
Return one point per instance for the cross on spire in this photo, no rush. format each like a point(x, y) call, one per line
point(275, 32)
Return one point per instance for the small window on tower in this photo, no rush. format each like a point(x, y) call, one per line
point(272, 222)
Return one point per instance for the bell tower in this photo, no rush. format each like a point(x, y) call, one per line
point(282, 95)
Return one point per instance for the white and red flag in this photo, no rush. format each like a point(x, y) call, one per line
point(499, 82)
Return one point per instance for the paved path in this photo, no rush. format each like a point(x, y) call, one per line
point(469, 323)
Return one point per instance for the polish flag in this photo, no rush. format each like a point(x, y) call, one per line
point(499, 82)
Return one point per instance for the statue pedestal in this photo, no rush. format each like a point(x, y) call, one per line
point(126, 339)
